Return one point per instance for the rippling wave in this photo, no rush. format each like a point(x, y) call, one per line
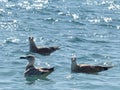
point(89, 29)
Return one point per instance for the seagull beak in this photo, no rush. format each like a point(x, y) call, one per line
point(22, 57)
point(58, 47)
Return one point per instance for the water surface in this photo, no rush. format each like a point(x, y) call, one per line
point(89, 29)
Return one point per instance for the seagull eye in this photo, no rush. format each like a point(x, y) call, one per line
point(29, 56)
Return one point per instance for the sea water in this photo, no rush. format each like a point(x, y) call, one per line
point(89, 29)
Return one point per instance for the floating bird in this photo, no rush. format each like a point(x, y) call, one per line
point(31, 70)
point(86, 68)
point(41, 50)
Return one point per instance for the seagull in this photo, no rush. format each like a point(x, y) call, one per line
point(41, 50)
point(31, 70)
point(86, 68)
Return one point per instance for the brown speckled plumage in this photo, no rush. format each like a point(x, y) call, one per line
point(86, 68)
point(31, 70)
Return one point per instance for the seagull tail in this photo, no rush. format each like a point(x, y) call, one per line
point(107, 67)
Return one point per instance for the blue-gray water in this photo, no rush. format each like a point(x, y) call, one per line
point(89, 29)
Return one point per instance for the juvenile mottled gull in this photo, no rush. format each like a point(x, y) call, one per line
point(86, 68)
point(41, 50)
point(31, 70)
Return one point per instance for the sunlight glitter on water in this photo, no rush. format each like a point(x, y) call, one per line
point(37, 4)
point(3, 0)
point(9, 25)
point(88, 29)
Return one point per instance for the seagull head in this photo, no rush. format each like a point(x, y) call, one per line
point(30, 58)
point(73, 59)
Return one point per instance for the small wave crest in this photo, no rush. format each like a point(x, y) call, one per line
point(11, 40)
